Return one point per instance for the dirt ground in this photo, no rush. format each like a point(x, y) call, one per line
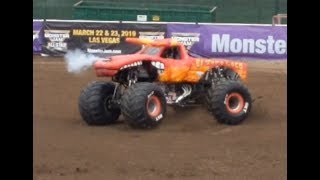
point(187, 145)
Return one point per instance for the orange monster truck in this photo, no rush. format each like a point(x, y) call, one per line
point(164, 72)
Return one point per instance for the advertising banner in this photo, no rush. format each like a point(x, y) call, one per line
point(105, 39)
point(232, 41)
point(102, 39)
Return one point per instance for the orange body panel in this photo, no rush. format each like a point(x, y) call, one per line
point(184, 70)
point(193, 71)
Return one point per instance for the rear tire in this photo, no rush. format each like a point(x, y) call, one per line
point(143, 105)
point(229, 101)
point(94, 104)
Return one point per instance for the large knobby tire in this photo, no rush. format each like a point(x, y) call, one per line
point(229, 101)
point(94, 104)
point(143, 105)
point(230, 75)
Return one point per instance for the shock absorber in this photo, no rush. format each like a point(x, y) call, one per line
point(132, 77)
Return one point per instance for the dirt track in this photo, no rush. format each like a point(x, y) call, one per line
point(188, 145)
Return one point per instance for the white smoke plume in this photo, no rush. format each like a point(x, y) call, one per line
point(78, 61)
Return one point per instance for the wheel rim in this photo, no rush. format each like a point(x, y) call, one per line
point(107, 104)
point(234, 103)
point(154, 106)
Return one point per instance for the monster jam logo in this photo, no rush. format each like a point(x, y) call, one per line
point(151, 35)
point(187, 39)
point(56, 39)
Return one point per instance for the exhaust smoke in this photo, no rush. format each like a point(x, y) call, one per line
point(78, 61)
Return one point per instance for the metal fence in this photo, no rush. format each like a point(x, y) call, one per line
point(228, 11)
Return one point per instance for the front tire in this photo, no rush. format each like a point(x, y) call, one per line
point(229, 101)
point(94, 104)
point(143, 105)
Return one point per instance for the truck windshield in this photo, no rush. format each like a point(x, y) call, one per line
point(151, 50)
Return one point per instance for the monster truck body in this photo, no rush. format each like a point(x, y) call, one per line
point(162, 73)
point(182, 69)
